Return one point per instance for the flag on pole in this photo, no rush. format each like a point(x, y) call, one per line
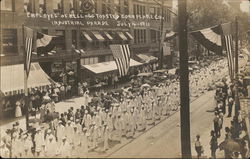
point(227, 38)
point(210, 38)
point(121, 55)
point(45, 43)
point(28, 33)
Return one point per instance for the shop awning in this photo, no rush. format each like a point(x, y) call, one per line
point(109, 66)
point(122, 36)
point(129, 35)
point(108, 35)
point(12, 78)
point(86, 35)
point(98, 35)
point(147, 58)
point(170, 35)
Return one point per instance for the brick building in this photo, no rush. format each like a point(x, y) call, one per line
point(92, 35)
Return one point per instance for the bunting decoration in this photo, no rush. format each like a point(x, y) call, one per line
point(210, 38)
point(45, 43)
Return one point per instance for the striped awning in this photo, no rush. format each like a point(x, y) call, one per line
point(109, 66)
point(86, 35)
point(12, 78)
point(129, 35)
point(122, 36)
point(98, 36)
point(108, 35)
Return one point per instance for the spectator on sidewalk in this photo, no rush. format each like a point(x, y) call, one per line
point(230, 105)
point(213, 144)
point(216, 124)
point(198, 146)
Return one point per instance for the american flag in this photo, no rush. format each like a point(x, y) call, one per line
point(228, 40)
point(121, 55)
point(28, 32)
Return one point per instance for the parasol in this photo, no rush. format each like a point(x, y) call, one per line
point(160, 71)
point(230, 145)
point(145, 85)
point(145, 74)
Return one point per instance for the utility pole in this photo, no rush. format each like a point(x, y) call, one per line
point(184, 82)
point(161, 37)
point(237, 102)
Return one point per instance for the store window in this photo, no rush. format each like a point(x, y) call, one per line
point(60, 42)
point(89, 60)
point(58, 6)
point(9, 41)
point(7, 5)
point(44, 31)
point(140, 36)
point(42, 7)
point(153, 34)
point(109, 58)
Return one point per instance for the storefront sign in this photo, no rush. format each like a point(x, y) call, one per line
point(97, 20)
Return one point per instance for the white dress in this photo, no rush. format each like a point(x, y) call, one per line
point(18, 111)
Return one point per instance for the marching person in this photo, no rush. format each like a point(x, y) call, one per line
point(51, 146)
point(28, 144)
point(105, 137)
point(64, 149)
point(39, 142)
point(84, 144)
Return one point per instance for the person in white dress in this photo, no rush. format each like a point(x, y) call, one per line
point(18, 110)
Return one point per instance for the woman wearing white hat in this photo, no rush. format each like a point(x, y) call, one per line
point(18, 111)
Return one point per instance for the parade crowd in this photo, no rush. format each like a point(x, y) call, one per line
point(105, 118)
point(234, 142)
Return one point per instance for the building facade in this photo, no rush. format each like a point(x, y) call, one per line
point(88, 26)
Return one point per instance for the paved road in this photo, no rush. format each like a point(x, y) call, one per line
point(164, 139)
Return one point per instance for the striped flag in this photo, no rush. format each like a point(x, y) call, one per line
point(121, 55)
point(28, 33)
point(227, 38)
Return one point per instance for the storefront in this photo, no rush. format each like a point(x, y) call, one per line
point(12, 85)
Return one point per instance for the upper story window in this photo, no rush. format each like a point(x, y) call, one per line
point(106, 7)
point(85, 7)
point(9, 41)
point(72, 5)
point(58, 6)
point(7, 5)
point(42, 7)
point(126, 7)
point(117, 6)
point(152, 11)
point(60, 42)
point(27, 6)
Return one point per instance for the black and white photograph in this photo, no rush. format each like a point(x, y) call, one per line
point(125, 79)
